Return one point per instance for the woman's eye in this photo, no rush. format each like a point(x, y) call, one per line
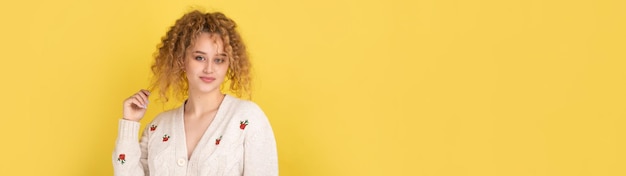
point(199, 58)
point(219, 60)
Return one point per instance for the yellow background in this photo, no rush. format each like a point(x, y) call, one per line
point(386, 87)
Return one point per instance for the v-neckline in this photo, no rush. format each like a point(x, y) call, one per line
point(202, 140)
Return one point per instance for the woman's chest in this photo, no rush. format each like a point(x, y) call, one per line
point(218, 150)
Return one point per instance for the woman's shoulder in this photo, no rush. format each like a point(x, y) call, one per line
point(244, 106)
point(166, 115)
point(246, 112)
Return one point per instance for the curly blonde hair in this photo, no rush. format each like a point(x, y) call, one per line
point(168, 67)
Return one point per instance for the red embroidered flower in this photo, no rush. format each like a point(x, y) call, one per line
point(165, 138)
point(217, 141)
point(243, 124)
point(153, 127)
point(121, 158)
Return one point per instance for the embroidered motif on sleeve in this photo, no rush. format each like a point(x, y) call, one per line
point(165, 138)
point(122, 158)
point(243, 124)
point(153, 127)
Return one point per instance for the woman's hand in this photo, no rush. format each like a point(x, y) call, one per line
point(135, 106)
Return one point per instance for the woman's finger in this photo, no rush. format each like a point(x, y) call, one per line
point(146, 92)
point(140, 102)
point(129, 101)
point(143, 97)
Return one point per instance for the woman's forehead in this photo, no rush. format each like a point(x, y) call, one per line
point(208, 43)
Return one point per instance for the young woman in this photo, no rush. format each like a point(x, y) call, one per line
point(211, 133)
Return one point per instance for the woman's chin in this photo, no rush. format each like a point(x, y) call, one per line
point(204, 90)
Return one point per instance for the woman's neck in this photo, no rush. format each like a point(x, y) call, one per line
point(198, 104)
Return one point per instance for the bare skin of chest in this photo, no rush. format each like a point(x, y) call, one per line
point(195, 128)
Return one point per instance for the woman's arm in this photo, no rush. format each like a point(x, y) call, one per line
point(130, 157)
point(260, 156)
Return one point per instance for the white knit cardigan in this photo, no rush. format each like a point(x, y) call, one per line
point(239, 141)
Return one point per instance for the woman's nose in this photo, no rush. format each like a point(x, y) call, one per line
point(208, 68)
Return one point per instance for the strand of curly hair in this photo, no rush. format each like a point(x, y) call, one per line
point(168, 68)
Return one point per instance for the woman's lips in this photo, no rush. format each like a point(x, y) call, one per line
point(207, 79)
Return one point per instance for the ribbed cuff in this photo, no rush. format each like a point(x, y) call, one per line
point(128, 130)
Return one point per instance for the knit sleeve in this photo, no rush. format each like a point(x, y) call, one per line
point(260, 155)
point(129, 156)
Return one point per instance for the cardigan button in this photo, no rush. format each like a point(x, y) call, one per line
point(181, 162)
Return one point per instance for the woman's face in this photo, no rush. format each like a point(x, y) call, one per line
point(206, 64)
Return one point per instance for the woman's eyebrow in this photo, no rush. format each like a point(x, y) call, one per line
point(221, 54)
point(199, 52)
